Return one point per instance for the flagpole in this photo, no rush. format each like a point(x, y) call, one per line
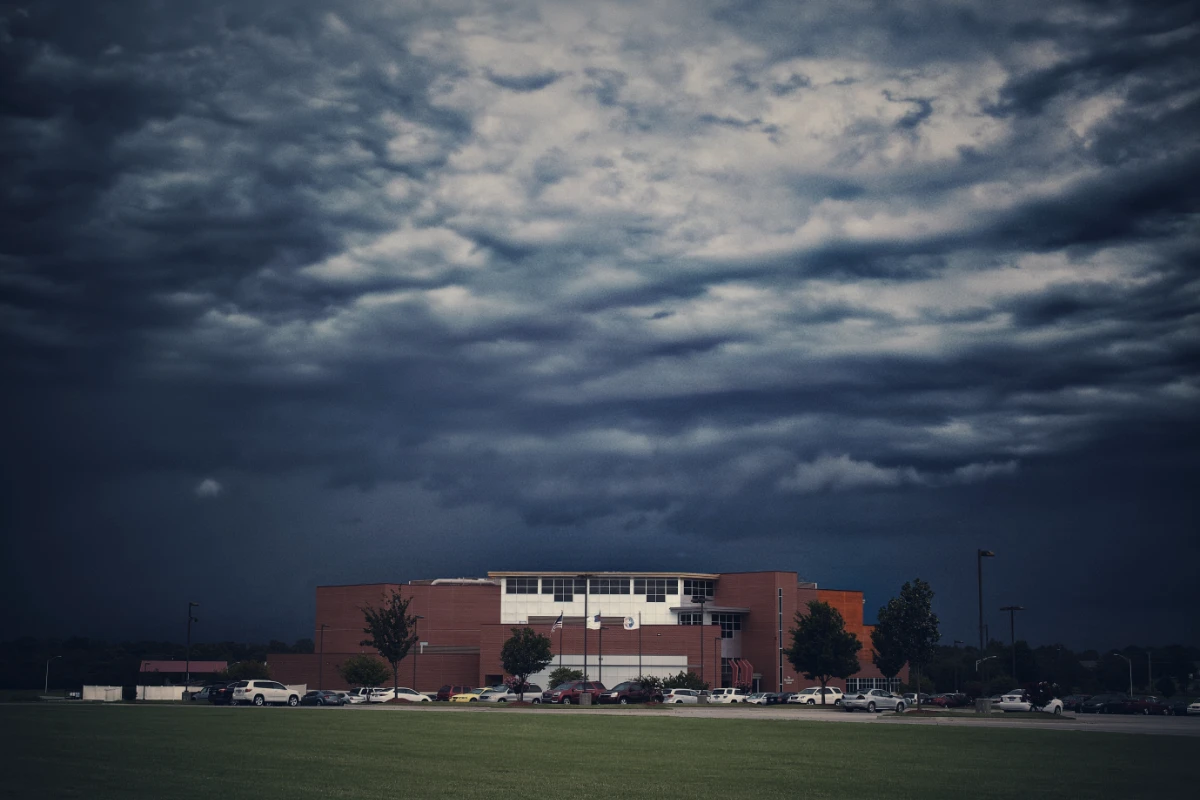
point(560, 633)
point(600, 656)
point(585, 625)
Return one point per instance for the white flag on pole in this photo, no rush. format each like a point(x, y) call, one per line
point(632, 624)
point(594, 622)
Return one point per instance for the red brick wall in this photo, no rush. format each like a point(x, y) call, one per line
point(758, 591)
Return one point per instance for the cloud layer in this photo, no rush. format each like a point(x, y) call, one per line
point(695, 274)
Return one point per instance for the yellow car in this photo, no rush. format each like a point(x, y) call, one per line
point(469, 697)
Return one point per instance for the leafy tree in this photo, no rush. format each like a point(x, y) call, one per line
point(907, 630)
point(391, 631)
point(1041, 693)
point(653, 683)
point(247, 671)
point(304, 646)
point(363, 670)
point(685, 680)
point(564, 675)
point(822, 648)
point(525, 653)
point(1165, 686)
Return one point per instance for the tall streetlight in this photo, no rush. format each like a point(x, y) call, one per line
point(1012, 633)
point(416, 621)
point(980, 555)
point(187, 669)
point(1130, 663)
point(321, 658)
point(701, 599)
point(48, 660)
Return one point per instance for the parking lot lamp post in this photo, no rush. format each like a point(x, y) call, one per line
point(701, 599)
point(187, 669)
point(980, 555)
point(321, 658)
point(417, 621)
point(1012, 633)
point(600, 656)
point(46, 690)
point(1130, 663)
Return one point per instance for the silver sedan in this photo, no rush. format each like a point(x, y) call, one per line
point(872, 700)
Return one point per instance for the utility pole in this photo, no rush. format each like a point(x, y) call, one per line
point(187, 674)
point(980, 555)
point(701, 599)
point(416, 623)
point(1012, 632)
point(321, 659)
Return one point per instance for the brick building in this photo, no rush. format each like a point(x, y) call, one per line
point(640, 623)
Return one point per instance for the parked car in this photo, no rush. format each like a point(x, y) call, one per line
point(262, 693)
point(873, 700)
point(448, 691)
point(504, 694)
point(321, 697)
point(1103, 704)
point(777, 698)
point(407, 695)
point(1074, 702)
point(681, 696)
point(203, 695)
point(728, 694)
point(911, 698)
point(1144, 704)
point(568, 693)
point(222, 695)
point(360, 695)
point(470, 696)
point(812, 696)
point(1193, 708)
point(627, 692)
point(1179, 706)
point(757, 698)
point(1019, 701)
point(948, 700)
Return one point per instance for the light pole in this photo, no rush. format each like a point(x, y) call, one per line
point(1130, 663)
point(321, 659)
point(416, 621)
point(980, 555)
point(187, 673)
point(1012, 633)
point(957, 642)
point(701, 599)
point(980, 661)
point(46, 690)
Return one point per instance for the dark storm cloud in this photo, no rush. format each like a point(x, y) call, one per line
point(756, 287)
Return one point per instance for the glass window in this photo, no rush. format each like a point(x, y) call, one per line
point(656, 589)
point(563, 589)
point(694, 588)
point(686, 618)
point(729, 623)
point(609, 586)
point(520, 585)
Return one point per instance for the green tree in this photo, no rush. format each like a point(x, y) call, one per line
point(685, 680)
point(247, 671)
point(906, 631)
point(564, 675)
point(525, 653)
point(653, 683)
point(391, 631)
point(363, 670)
point(822, 648)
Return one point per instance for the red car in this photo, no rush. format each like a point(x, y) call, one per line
point(446, 692)
point(1145, 704)
point(569, 693)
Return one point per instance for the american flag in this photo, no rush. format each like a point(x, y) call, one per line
point(557, 623)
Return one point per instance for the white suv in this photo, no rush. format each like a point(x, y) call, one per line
point(812, 696)
point(262, 693)
point(728, 695)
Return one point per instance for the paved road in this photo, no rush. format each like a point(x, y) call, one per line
point(1099, 723)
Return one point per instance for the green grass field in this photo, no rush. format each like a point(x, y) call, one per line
point(78, 751)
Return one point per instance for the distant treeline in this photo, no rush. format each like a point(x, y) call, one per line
point(97, 662)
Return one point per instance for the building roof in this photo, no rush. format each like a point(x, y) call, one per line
point(711, 576)
point(180, 667)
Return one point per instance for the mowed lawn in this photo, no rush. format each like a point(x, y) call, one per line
point(203, 752)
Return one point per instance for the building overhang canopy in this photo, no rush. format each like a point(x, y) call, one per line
point(707, 576)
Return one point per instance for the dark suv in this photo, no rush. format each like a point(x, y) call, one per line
point(446, 692)
point(222, 695)
point(626, 693)
point(568, 693)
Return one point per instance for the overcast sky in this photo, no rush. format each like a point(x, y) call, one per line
point(299, 293)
